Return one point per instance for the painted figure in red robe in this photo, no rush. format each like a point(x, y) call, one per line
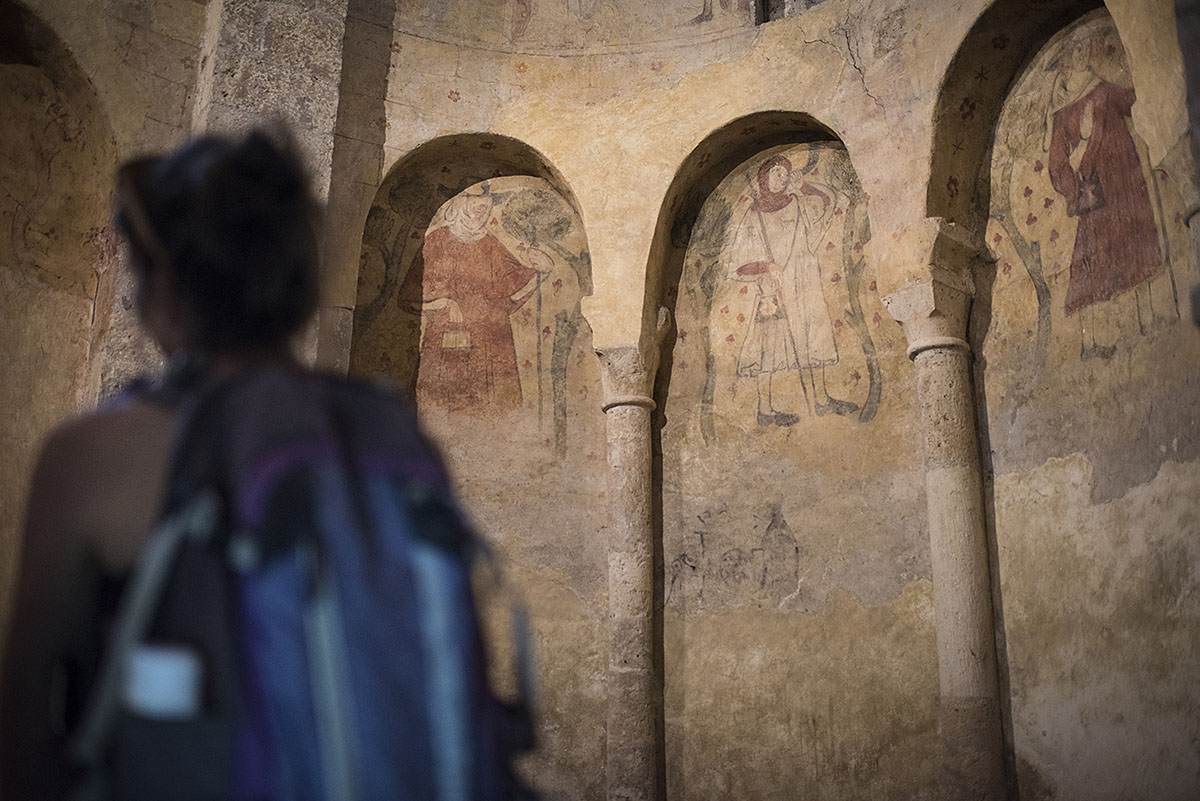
point(1094, 165)
point(466, 284)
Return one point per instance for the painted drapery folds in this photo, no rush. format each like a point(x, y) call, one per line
point(774, 290)
point(1090, 254)
point(476, 309)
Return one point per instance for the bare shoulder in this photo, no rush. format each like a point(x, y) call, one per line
point(100, 477)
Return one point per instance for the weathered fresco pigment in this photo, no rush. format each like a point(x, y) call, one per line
point(1090, 387)
point(476, 311)
point(794, 610)
point(792, 501)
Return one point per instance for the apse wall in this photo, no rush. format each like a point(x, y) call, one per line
point(470, 299)
point(56, 253)
point(798, 629)
point(82, 88)
point(1087, 378)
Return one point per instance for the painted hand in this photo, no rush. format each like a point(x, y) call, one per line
point(540, 260)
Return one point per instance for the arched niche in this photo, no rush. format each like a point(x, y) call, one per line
point(991, 56)
point(792, 495)
point(57, 251)
point(474, 261)
point(1086, 385)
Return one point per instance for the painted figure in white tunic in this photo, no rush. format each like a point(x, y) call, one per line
point(781, 224)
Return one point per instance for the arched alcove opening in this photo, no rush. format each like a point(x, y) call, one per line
point(474, 261)
point(57, 252)
point(792, 498)
point(1085, 389)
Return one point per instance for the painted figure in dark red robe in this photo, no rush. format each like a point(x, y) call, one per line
point(1094, 165)
point(468, 287)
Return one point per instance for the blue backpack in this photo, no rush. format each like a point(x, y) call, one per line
point(302, 622)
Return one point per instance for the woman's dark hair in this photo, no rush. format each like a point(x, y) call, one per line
point(234, 224)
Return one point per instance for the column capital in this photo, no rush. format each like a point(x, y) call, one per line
point(628, 371)
point(933, 311)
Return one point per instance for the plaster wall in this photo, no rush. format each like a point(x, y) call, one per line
point(787, 668)
point(1089, 385)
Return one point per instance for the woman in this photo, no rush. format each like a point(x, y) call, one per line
point(222, 241)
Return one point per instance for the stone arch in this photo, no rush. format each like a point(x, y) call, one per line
point(994, 52)
point(407, 204)
point(784, 393)
point(57, 251)
point(680, 218)
point(507, 383)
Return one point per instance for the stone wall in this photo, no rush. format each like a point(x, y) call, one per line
point(787, 579)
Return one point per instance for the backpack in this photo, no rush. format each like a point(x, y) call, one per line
point(302, 622)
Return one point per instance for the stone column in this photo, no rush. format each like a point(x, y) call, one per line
point(933, 313)
point(633, 688)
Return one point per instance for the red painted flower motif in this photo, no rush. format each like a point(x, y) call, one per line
point(546, 331)
point(1030, 219)
point(741, 318)
point(871, 286)
point(1028, 191)
point(743, 290)
point(724, 310)
point(1038, 166)
point(829, 246)
point(997, 239)
point(1047, 202)
point(967, 108)
point(877, 318)
point(833, 279)
point(729, 338)
point(1054, 235)
point(454, 95)
point(837, 323)
point(1007, 268)
point(1000, 42)
point(952, 186)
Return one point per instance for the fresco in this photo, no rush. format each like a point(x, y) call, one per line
point(1088, 387)
point(1075, 204)
point(470, 299)
point(1090, 255)
point(774, 284)
point(792, 496)
point(490, 288)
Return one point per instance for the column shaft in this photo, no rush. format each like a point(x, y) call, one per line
point(970, 708)
point(632, 690)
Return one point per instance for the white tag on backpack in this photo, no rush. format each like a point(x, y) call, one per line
point(163, 682)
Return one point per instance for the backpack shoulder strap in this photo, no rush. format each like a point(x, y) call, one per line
point(138, 604)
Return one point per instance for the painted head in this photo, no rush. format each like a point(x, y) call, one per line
point(774, 174)
point(222, 241)
point(470, 211)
